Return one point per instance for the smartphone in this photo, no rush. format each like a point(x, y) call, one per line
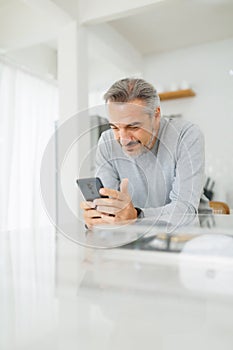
point(90, 188)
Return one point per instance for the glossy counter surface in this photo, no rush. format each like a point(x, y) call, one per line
point(56, 294)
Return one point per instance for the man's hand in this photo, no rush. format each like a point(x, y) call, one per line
point(91, 215)
point(117, 208)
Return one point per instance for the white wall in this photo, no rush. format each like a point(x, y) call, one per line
point(111, 57)
point(206, 68)
point(39, 59)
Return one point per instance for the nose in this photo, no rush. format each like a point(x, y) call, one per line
point(125, 137)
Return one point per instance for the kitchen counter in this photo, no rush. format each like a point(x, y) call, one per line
point(57, 294)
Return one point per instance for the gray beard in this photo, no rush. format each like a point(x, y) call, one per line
point(150, 142)
point(143, 149)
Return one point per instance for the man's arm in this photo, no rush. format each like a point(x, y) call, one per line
point(188, 182)
point(103, 164)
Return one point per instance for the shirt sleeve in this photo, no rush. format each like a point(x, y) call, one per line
point(104, 166)
point(187, 186)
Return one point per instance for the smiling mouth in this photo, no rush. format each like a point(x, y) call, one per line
point(131, 145)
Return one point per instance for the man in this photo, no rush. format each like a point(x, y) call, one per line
point(150, 166)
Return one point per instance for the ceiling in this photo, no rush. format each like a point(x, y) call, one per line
point(170, 25)
point(2, 2)
point(165, 25)
point(162, 26)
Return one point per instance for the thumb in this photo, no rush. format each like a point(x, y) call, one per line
point(124, 186)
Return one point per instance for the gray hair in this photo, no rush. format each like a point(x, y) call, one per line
point(129, 89)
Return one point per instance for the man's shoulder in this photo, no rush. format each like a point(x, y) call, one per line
point(177, 123)
point(107, 135)
point(178, 127)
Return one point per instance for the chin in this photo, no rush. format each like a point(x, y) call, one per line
point(136, 153)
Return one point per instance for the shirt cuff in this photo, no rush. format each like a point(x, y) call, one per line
point(140, 213)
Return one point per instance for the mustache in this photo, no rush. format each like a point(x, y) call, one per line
point(132, 143)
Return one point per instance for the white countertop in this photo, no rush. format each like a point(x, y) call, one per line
point(55, 294)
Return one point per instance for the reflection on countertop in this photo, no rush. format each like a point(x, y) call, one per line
point(56, 294)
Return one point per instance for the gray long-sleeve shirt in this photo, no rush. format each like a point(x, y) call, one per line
point(168, 179)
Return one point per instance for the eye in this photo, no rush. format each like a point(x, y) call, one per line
point(133, 127)
point(113, 127)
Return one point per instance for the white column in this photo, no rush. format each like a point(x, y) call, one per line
point(73, 98)
point(72, 70)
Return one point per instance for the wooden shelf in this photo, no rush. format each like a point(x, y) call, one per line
point(176, 94)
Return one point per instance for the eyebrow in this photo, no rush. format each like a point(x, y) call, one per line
point(127, 125)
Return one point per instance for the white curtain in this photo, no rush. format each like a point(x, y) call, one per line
point(28, 109)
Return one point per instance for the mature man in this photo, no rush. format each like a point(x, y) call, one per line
point(150, 166)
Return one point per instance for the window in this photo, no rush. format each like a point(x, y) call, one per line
point(28, 110)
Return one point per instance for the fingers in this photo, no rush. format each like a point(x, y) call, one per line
point(117, 201)
point(117, 207)
point(120, 195)
point(104, 219)
point(87, 205)
point(124, 186)
point(112, 193)
point(109, 219)
point(92, 216)
point(109, 202)
point(92, 222)
point(108, 210)
point(110, 206)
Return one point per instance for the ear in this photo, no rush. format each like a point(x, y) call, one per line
point(157, 112)
point(157, 116)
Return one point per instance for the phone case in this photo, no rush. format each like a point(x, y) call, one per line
point(90, 187)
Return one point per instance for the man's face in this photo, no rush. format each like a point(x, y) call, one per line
point(133, 127)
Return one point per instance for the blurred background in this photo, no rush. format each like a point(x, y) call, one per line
point(58, 57)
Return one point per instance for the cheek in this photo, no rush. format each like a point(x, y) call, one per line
point(135, 135)
point(141, 135)
point(116, 135)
